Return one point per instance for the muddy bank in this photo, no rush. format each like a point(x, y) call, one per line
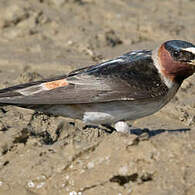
point(42, 154)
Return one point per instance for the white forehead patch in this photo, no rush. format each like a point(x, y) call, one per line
point(190, 49)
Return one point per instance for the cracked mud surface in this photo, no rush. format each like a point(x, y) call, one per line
point(49, 155)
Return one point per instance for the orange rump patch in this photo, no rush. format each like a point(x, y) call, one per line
point(56, 84)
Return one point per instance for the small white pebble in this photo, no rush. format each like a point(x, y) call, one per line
point(90, 165)
point(73, 193)
point(82, 171)
point(122, 127)
point(69, 42)
point(123, 170)
point(31, 184)
point(1, 183)
point(41, 177)
point(67, 177)
point(107, 158)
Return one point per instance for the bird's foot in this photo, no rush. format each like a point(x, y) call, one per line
point(109, 128)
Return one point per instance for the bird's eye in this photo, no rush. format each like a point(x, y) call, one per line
point(176, 54)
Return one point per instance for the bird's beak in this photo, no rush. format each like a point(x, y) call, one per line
point(192, 50)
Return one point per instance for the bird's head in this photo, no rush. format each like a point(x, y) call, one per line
point(177, 59)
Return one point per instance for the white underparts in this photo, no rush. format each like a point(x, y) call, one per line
point(169, 83)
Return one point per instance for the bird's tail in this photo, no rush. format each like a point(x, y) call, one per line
point(14, 95)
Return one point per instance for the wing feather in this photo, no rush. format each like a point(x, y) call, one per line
point(130, 77)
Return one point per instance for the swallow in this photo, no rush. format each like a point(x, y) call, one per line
point(132, 86)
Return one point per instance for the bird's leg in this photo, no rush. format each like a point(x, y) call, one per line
point(105, 127)
point(91, 126)
point(109, 128)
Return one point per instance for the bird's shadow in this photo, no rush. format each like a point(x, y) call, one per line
point(139, 131)
point(152, 133)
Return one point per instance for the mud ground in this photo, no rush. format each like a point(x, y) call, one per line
point(50, 155)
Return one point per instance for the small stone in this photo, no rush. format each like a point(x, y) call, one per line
point(122, 127)
point(123, 170)
point(31, 184)
point(90, 165)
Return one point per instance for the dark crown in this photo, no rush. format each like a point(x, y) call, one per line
point(177, 50)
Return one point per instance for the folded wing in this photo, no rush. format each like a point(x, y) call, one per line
point(130, 77)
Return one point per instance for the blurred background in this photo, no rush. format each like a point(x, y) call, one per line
point(52, 155)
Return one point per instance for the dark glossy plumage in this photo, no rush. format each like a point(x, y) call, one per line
point(132, 76)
